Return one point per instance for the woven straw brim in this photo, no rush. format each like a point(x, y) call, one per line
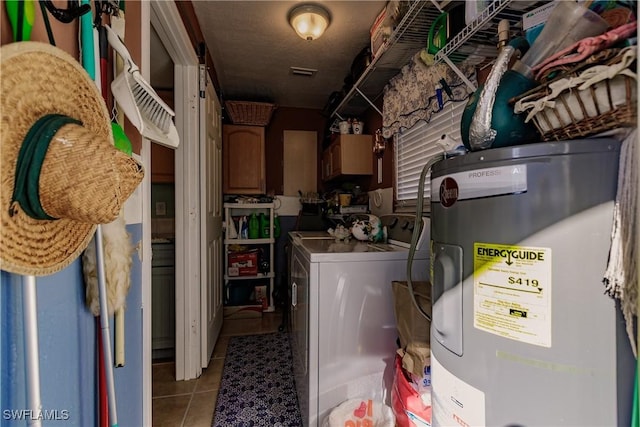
point(38, 79)
point(96, 188)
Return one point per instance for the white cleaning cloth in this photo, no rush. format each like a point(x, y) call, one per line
point(621, 276)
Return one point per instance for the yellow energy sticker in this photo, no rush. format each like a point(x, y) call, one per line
point(512, 292)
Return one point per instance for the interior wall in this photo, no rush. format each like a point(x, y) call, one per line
point(287, 118)
point(373, 121)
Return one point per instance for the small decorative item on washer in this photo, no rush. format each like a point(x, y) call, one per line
point(340, 233)
point(369, 229)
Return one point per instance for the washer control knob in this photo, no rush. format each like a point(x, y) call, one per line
point(393, 222)
point(411, 225)
point(405, 225)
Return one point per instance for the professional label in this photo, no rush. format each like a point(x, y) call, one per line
point(455, 403)
point(512, 292)
point(479, 183)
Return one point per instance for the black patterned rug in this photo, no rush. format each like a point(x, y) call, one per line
point(257, 387)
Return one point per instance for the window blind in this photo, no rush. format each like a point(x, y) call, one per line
point(414, 148)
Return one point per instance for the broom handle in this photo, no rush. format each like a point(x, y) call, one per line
point(103, 399)
point(104, 323)
point(118, 26)
point(30, 318)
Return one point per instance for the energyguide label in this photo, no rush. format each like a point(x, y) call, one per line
point(512, 292)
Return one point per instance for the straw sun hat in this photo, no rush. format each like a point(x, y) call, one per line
point(59, 171)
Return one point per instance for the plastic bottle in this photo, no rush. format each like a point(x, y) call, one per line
point(424, 386)
point(264, 226)
point(254, 226)
point(242, 224)
point(276, 225)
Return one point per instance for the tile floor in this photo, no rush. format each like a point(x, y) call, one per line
point(191, 403)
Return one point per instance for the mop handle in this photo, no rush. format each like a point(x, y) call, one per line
point(30, 314)
point(104, 324)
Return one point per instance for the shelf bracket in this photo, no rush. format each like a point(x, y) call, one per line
point(437, 5)
point(485, 16)
point(369, 101)
point(460, 74)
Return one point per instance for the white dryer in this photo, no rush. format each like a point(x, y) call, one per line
point(344, 335)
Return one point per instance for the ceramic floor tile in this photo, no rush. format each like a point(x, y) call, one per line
point(169, 411)
point(165, 384)
point(200, 412)
point(211, 376)
point(269, 322)
point(232, 327)
point(171, 397)
point(220, 350)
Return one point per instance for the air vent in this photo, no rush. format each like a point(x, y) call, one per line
point(299, 71)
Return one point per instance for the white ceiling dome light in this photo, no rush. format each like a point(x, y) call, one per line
point(309, 20)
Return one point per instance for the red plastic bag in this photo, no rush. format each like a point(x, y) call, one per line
point(406, 403)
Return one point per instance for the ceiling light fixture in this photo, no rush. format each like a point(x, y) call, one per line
point(309, 20)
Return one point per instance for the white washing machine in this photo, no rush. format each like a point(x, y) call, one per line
point(343, 327)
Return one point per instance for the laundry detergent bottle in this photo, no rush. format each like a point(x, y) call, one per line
point(254, 226)
point(264, 226)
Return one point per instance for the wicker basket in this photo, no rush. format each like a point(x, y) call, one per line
point(585, 102)
point(250, 113)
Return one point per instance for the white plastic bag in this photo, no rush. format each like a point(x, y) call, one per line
point(360, 412)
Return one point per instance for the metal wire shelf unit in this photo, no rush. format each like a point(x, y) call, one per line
point(482, 31)
point(410, 36)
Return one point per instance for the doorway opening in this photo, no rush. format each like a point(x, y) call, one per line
point(163, 209)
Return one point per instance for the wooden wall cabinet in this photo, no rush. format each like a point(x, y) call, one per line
point(243, 159)
point(348, 155)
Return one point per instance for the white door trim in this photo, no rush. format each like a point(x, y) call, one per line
point(145, 153)
point(168, 24)
point(166, 20)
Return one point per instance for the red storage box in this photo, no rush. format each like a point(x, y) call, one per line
point(243, 263)
point(379, 33)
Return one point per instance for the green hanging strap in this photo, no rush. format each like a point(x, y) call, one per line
point(26, 190)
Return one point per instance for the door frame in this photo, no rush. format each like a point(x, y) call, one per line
point(168, 24)
point(166, 20)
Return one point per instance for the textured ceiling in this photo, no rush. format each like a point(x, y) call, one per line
point(253, 47)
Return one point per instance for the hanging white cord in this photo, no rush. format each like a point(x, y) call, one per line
point(104, 324)
point(417, 229)
point(32, 362)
